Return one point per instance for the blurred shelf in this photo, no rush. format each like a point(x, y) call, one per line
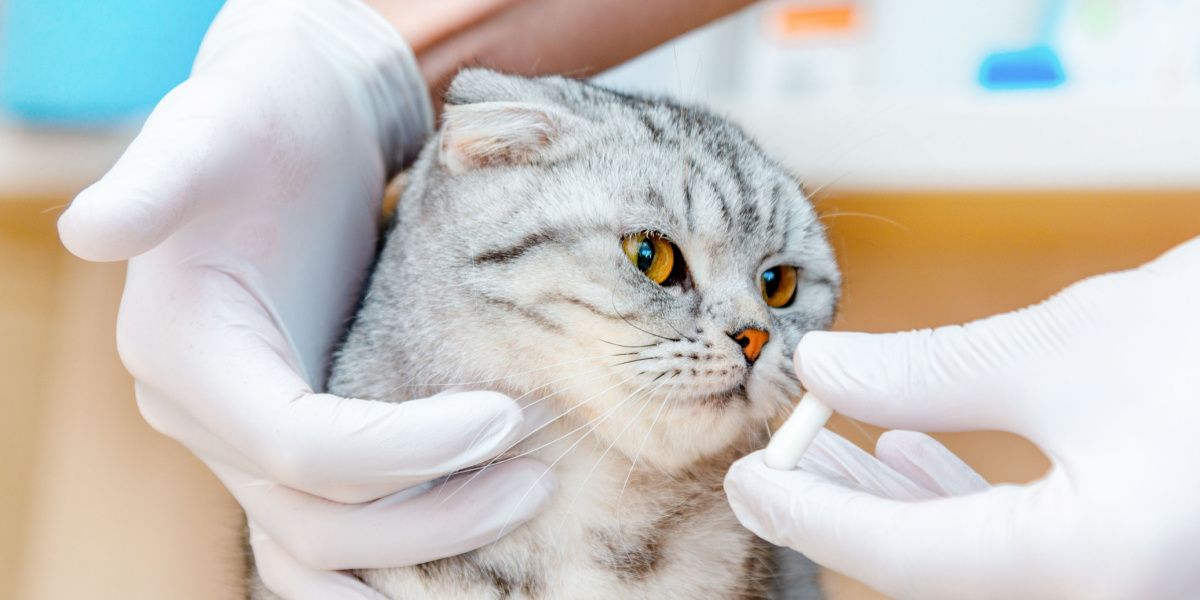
point(1013, 142)
point(40, 164)
point(968, 143)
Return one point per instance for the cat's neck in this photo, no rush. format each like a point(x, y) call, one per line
point(615, 527)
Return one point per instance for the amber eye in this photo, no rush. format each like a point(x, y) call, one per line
point(778, 285)
point(652, 254)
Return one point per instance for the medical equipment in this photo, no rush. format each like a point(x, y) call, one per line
point(1035, 67)
point(797, 433)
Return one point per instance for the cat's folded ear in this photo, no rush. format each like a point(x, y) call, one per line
point(499, 133)
point(493, 119)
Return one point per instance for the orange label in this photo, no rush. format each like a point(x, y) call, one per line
point(799, 20)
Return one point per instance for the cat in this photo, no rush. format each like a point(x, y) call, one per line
point(639, 269)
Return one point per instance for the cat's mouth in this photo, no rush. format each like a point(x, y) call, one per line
point(732, 395)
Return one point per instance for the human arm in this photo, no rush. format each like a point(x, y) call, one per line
point(578, 38)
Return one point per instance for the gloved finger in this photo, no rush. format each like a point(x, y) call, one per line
point(924, 549)
point(350, 450)
point(288, 578)
point(833, 457)
point(403, 529)
point(954, 378)
point(185, 143)
point(342, 449)
point(927, 462)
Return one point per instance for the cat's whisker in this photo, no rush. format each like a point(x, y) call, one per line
point(788, 408)
point(497, 460)
point(626, 346)
point(680, 333)
point(523, 396)
point(634, 360)
point(629, 323)
point(813, 193)
point(406, 383)
point(670, 410)
point(441, 383)
point(838, 214)
point(55, 208)
point(604, 368)
point(788, 389)
point(509, 376)
point(572, 409)
point(595, 423)
point(431, 384)
point(583, 380)
point(866, 436)
point(583, 486)
point(638, 454)
point(602, 416)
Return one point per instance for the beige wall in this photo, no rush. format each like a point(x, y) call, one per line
point(28, 264)
point(96, 505)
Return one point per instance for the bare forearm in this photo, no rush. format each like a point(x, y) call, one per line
point(535, 37)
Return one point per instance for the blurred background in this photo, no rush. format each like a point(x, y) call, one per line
point(968, 157)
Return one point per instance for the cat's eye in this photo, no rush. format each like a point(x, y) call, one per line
point(778, 285)
point(653, 255)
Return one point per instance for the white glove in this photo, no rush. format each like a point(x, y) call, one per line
point(250, 204)
point(1104, 378)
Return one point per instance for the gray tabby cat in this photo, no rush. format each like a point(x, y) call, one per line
point(641, 271)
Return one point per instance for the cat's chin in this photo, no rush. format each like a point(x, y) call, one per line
point(734, 396)
point(698, 452)
point(694, 432)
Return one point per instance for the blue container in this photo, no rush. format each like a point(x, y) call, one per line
point(92, 62)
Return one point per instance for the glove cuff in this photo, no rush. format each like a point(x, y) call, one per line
point(399, 94)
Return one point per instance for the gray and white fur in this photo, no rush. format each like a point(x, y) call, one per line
point(505, 266)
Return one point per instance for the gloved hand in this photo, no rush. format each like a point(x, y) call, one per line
point(1104, 378)
point(250, 203)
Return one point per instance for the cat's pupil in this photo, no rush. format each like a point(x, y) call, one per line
point(771, 281)
point(645, 255)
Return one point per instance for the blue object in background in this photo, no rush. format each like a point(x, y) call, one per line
point(1035, 67)
point(92, 62)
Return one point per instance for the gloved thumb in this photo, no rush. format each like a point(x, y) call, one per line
point(933, 548)
point(151, 190)
point(954, 378)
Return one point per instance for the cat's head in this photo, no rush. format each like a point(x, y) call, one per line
point(635, 263)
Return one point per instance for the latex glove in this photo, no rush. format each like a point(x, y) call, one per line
point(250, 203)
point(1103, 377)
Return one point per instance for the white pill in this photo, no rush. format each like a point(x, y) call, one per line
point(798, 432)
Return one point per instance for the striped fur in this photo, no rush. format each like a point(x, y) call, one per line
point(504, 265)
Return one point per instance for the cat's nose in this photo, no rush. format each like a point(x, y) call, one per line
point(752, 341)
